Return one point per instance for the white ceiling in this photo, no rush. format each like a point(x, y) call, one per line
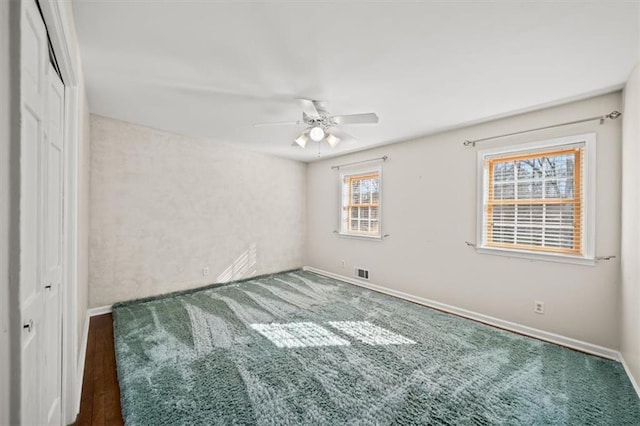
point(211, 69)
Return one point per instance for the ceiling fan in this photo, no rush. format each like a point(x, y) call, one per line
point(323, 126)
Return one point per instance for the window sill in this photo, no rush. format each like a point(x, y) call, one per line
point(545, 257)
point(359, 237)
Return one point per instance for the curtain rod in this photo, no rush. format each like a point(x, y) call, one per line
point(613, 115)
point(383, 158)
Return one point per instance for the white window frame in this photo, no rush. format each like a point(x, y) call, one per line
point(342, 229)
point(589, 195)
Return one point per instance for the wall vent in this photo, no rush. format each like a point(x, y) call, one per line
point(362, 273)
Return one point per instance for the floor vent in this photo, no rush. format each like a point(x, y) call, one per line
point(362, 273)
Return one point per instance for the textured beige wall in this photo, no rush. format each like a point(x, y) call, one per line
point(429, 210)
point(164, 206)
point(630, 291)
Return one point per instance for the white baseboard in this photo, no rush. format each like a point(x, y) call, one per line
point(81, 360)
point(485, 319)
point(631, 378)
point(83, 349)
point(100, 310)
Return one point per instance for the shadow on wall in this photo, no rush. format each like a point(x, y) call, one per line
point(244, 266)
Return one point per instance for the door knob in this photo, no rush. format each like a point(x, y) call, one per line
point(48, 287)
point(28, 326)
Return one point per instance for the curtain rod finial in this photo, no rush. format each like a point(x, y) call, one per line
point(614, 115)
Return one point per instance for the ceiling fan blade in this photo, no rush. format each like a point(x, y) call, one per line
point(343, 136)
point(309, 108)
point(370, 117)
point(280, 123)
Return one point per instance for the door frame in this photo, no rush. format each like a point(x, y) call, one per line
point(58, 17)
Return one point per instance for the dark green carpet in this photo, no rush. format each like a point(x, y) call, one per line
point(296, 348)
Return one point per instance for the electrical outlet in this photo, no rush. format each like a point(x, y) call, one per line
point(538, 307)
point(205, 271)
point(342, 264)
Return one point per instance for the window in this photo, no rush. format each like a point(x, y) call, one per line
point(360, 213)
point(534, 198)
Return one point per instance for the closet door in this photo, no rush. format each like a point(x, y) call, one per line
point(33, 89)
point(41, 224)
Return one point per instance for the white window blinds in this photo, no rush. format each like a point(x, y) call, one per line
point(360, 210)
point(534, 201)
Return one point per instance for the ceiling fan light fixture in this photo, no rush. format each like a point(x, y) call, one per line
point(321, 125)
point(317, 134)
point(332, 140)
point(302, 140)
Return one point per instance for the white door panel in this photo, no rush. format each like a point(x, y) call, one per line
point(30, 366)
point(33, 58)
point(52, 258)
point(32, 136)
point(33, 64)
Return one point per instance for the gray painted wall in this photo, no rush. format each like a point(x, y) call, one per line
point(630, 291)
point(165, 206)
point(5, 138)
point(9, 212)
point(429, 210)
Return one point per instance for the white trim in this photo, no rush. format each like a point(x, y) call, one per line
point(568, 342)
point(70, 297)
point(628, 371)
point(81, 361)
point(363, 237)
point(60, 32)
point(546, 257)
point(588, 140)
point(100, 310)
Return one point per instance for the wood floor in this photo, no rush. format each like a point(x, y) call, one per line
point(100, 403)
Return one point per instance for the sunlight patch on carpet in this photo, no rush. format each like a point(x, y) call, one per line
point(369, 333)
point(298, 335)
